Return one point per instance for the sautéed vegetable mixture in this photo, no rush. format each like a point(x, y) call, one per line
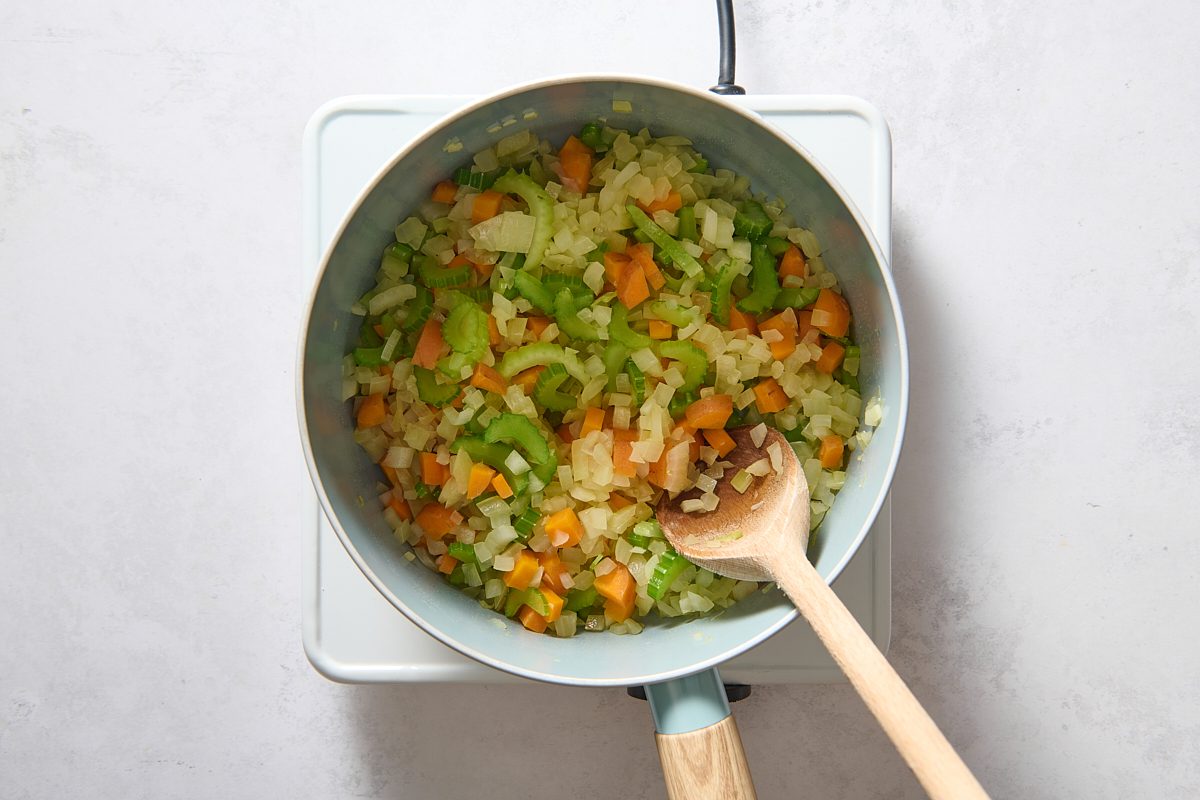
point(559, 336)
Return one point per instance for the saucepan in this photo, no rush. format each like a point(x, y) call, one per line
point(676, 661)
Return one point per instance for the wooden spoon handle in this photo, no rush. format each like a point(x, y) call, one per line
point(930, 756)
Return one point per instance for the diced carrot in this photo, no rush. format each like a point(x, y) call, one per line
point(720, 441)
point(459, 260)
point(430, 345)
point(523, 570)
point(527, 379)
point(618, 501)
point(804, 323)
point(672, 202)
point(390, 472)
point(576, 160)
point(793, 264)
point(432, 472)
point(831, 314)
point(493, 331)
point(657, 474)
point(554, 599)
point(485, 270)
point(567, 523)
point(400, 506)
point(739, 320)
point(785, 323)
point(654, 275)
point(661, 329)
point(479, 480)
point(622, 452)
point(564, 433)
point(446, 563)
point(710, 412)
point(552, 570)
point(593, 420)
point(486, 206)
point(444, 192)
point(831, 358)
point(769, 396)
point(379, 331)
point(535, 324)
point(643, 255)
point(614, 263)
point(435, 520)
point(386, 370)
point(488, 379)
point(372, 411)
point(502, 488)
point(619, 588)
point(532, 620)
point(631, 286)
point(831, 451)
point(694, 445)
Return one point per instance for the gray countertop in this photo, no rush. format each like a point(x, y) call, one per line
point(1045, 549)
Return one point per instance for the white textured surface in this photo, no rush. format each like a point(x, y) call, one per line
point(1045, 544)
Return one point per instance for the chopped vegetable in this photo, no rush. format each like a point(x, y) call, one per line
point(564, 528)
point(479, 480)
point(444, 192)
point(793, 264)
point(632, 288)
point(435, 520)
point(430, 346)
point(619, 589)
point(764, 281)
point(488, 379)
point(560, 339)
point(831, 358)
point(541, 207)
point(372, 412)
point(523, 571)
point(710, 412)
point(672, 250)
point(720, 441)
point(830, 454)
point(576, 160)
point(831, 314)
point(769, 396)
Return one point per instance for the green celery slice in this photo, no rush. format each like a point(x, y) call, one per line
point(546, 392)
point(541, 208)
point(540, 354)
point(566, 314)
point(795, 298)
point(751, 221)
point(430, 391)
point(671, 249)
point(694, 360)
point(620, 332)
point(534, 291)
point(764, 281)
point(668, 569)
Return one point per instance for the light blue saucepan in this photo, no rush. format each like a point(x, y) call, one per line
point(676, 661)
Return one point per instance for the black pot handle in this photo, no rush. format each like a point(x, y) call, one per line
point(725, 84)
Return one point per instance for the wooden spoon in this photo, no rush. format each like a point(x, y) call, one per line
point(762, 535)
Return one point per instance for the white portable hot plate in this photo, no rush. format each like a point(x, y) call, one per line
point(351, 633)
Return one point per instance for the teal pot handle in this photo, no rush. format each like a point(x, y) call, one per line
point(698, 741)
